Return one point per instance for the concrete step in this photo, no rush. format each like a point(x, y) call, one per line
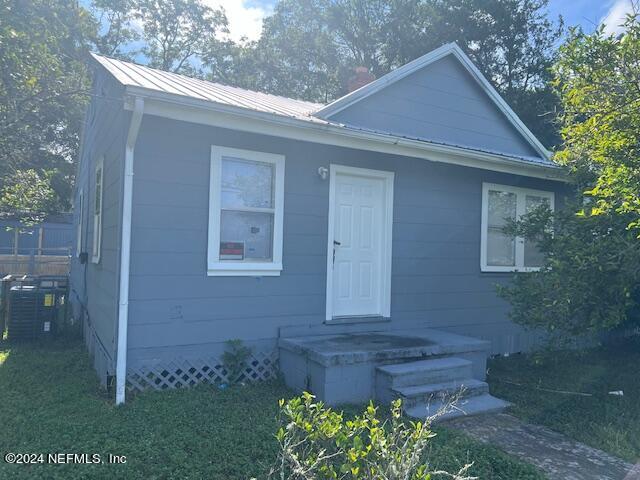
point(436, 370)
point(475, 405)
point(434, 392)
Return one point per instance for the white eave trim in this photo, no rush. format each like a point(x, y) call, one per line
point(204, 112)
point(417, 64)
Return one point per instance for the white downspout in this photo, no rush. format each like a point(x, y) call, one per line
point(125, 251)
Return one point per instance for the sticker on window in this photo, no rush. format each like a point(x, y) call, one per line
point(231, 250)
point(48, 300)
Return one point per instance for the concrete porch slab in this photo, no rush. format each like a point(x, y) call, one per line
point(384, 347)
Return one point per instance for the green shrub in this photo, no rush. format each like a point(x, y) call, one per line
point(590, 282)
point(235, 359)
point(318, 443)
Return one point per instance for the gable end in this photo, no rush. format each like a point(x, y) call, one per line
point(440, 97)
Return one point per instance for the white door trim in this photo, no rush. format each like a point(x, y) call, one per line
point(385, 284)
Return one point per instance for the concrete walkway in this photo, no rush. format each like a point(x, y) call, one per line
point(553, 453)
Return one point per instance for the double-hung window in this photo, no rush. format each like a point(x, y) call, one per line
point(97, 211)
point(501, 252)
point(246, 201)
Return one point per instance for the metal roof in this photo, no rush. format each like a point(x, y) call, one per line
point(134, 75)
point(131, 74)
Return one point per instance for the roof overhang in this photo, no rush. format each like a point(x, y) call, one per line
point(192, 110)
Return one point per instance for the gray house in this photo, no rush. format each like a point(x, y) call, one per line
point(356, 245)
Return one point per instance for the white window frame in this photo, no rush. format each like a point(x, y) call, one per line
point(80, 208)
point(216, 267)
point(521, 194)
point(97, 215)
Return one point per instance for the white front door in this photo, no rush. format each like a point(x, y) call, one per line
point(360, 243)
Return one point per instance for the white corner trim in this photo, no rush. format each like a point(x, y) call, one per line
point(520, 210)
point(421, 62)
point(125, 251)
point(385, 285)
point(216, 267)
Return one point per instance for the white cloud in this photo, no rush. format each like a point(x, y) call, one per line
point(244, 21)
point(616, 16)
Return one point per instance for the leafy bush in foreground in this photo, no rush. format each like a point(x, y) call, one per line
point(317, 443)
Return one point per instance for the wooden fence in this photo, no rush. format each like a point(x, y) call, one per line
point(32, 262)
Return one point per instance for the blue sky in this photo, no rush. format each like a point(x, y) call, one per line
point(245, 16)
point(590, 13)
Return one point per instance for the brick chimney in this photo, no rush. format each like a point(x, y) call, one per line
point(360, 78)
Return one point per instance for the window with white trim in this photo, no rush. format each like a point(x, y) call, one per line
point(80, 209)
point(501, 252)
point(246, 202)
point(97, 211)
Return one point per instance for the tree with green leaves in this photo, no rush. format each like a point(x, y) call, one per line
point(598, 78)
point(295, 55)
point(177, 32)
point(28, 195)
point(43, 93)
point(591, 281)
point(515, 45)
point(114, 28)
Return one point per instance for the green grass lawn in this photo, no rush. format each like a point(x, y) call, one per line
point(608, 422)
point(50, 402)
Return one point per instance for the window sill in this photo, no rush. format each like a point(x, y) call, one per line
point(244, 270)
point(490, 269)
point(357, 319)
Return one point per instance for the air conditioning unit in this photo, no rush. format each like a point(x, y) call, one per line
point(34, 310)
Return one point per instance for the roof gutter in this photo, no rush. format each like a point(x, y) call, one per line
point(125, 251)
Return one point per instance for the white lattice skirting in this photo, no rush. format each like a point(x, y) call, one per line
point(181, 373)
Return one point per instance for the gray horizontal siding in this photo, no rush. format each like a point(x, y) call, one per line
point(148, 288)
point(441, 102)
point(436, 278)
point(97, 289)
